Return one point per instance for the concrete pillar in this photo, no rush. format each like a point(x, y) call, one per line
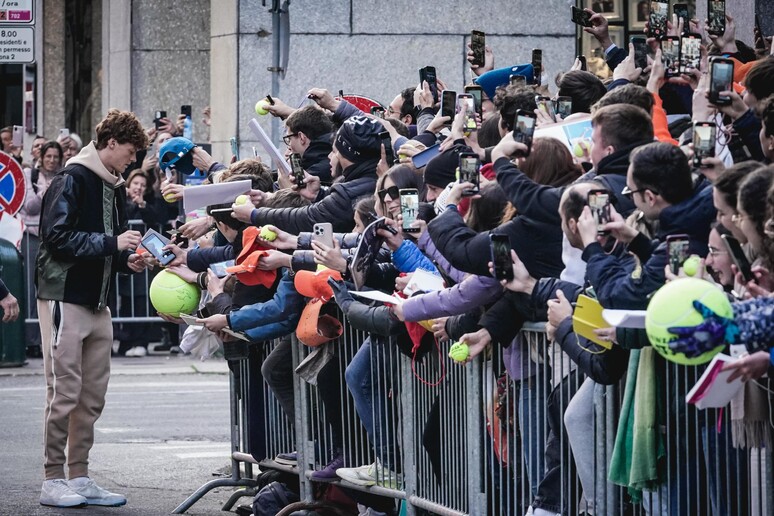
point(116, 54)
point(51, 20)
point(224, 70)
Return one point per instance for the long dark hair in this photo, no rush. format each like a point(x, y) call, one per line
point(485, 213)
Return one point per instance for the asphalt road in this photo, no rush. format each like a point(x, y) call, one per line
point(164, 431)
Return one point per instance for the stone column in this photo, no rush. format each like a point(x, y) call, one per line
point(116, 55)
point(51, 21)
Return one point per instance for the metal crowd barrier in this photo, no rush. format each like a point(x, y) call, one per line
point(475, 443)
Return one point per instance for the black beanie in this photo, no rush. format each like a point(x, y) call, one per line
point(358, 139)
point(441, 170)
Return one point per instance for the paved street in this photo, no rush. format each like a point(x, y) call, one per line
point(164, 431)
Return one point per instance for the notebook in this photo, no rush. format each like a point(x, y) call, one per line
point(587, 317)
point(713, 390)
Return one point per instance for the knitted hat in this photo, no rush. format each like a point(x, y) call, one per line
point(500, 77)
point(441, 170)
point(358, 139)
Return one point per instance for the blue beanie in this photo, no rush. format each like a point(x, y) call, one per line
point(500, 77)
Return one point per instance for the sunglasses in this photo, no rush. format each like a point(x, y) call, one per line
point(394, 192)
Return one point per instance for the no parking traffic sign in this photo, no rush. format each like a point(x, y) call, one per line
point(12, 187)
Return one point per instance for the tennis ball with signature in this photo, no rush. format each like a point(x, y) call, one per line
point(459, 352)
point(262, 107)
point(267, 234)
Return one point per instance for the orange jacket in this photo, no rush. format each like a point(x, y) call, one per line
point(660, 124)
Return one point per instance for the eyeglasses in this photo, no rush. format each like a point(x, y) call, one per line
point(628, 192)
point(287, 138)
point(714, 251)
point(393, 191)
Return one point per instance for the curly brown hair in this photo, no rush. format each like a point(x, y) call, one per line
point(124, 127)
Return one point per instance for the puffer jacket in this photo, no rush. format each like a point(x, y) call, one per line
point(408, 258)
point(472, 293)
point(286, 306)
point(83, 212)
point(315, 158)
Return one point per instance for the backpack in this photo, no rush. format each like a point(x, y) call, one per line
point(272, 498)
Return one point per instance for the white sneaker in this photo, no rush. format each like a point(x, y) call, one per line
point(58, 493)
point(369, 475)
point(94, 494)
point(137, 351)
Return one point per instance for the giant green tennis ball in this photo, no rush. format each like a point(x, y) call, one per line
point(262, 107)
point(672, 306)
point(172, 295)
point(459, 352)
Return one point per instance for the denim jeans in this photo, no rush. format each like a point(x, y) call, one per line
point(533, 425)
point(370, 376)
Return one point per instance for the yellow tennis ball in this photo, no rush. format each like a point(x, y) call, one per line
point(267, 234)
point(691, 265)
point(170, 198)
point(242, 199)
point(459, 352)
point(172, 295)
point(262, 107)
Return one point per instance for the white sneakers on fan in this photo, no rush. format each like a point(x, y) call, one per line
point(78, 492)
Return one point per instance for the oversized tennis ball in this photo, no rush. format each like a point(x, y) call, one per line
point(170, 198)
point(459, 352)
point(172, 295)
point(691, 265)
point(262, 107)
point(267, 234)
point(672, 306)
point(242, 199)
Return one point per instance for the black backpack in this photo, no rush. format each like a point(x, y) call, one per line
point(272, 498)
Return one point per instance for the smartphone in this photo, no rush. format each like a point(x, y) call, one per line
point(157, 118)
point(428, 74)
point(476, 92)
point(467, 106)
point(409, 205)
point(564, 106)
point(524, 128)
point(478, 47)
point(546, 105)
point(154, 243)
point(297, 170)
point(681, 11)
point(64, 133)
point(322, 232)
point(185, 109)
point(389, 153)
point(739, 151)
point(677, 247)
point(469, 164)
point(716, 14)
point(738, 257)
point(518, 80)
point(18, 136)
point(599, 203)
point(670, 55)
point(721, 79)
point(690, 53)
point(640, 51)
point(704, 134)
point(234, 147)
point(449, 104)
point(584, 65)
point(421, 159)
point(657, 19)
point(220, 268)
point(537, 65)
point(501, 257)
point(377, 111)
point(581, 17)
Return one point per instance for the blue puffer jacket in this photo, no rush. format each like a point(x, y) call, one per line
point(617, 282)
point(256, 319)
point(408, 258)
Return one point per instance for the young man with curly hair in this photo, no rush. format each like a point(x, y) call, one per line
point(84, 242)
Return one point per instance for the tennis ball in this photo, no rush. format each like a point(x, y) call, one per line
point(672, 305)
point(459, 352)
point(170, 198)
point(267, 234)
point(172, 295)
point(242, 199)
point(691, 265)
point(262, 107)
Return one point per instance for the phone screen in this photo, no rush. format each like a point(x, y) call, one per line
point(703, 141)
point(681, 11)
point(738, 257)
point(220, 268)
point(467, 105)
point(690, 55)
point(475, 92)
point(469, 167)
point(409, 205)
point(524, 128)
point(518, 80)
point(670, 54)
point(537, 65)
point(599, 203)
point(581, 17)
point(478, 47)
point(657, 21)
point(449, 104)
point(186, 110)
point(564, 106)
point(377, 111)
point(716, 12)
point(428, 74)
point(721, 79)
point(640, 52)
point(501, 257)
point(298, 170)
point(154, 245)
point(389, 154)
point(677, 247)
point(546, 105)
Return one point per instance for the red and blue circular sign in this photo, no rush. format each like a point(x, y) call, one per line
point(12, 185)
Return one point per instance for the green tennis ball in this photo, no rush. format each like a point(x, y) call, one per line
point(242, 199)
point(170, 198)
point(459, 352)
point(267, 234)
point(672, 305)
point(172, 295)
point(691, 265)
point(262, 107)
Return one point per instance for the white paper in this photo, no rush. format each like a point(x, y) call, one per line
point(200, 196)
point(423, 281)
point(625, 318)
point(263, 138)
point(376, 295)
point(720, 392)
point(236, 334)
point(190, 320)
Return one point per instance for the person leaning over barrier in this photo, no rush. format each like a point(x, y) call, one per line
point(83, 244)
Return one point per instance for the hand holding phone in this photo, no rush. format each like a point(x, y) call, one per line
point(409, 208)
point(469, 165)
point(322, 232)
point(581, 17)
point(599, 203)
point(738, 257)
point(299, 177)
point(478, 47)
point(389, 153)
point(657, 19)
point(677, 247)
point(721, 80)
point(154, 243)
point(18, 136)
point(704, 135)
point(524, 128)
point(427, 74)
point(501, 257)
